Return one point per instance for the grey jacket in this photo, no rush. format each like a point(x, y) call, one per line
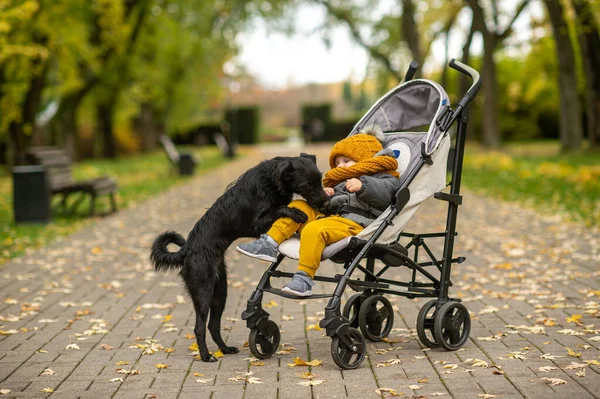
point(365, 205)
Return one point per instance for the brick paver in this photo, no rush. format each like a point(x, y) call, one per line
point(96, 289)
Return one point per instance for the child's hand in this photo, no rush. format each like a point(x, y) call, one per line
point(329, 191)
point(353, 185)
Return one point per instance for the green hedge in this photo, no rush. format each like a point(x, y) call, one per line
point(244, 124)
point(316, 121)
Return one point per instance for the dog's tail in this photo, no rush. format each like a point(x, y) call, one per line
point(161, 257)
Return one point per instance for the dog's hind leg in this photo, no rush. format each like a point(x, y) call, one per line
point(216, 311)
point(202, 306)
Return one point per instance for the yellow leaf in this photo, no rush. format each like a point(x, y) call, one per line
point(218, 354)
point(423, 380)
point(122, 362)
point(571, 352)
point(161, 366)
point(299, 362)
point(392, 392)
point(307, 375)
point(170, 350)
point(193, 347)
point(271, 304)
point(593, 362)
point(198, 375)
point(257, 363)
point(313, 327)
point(96, 250)
point(47, 390)
point(167, 318)
point(574, 319)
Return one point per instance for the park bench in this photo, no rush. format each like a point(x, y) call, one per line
point(184, 162)
point(58, 167)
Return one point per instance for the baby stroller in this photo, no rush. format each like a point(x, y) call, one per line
point(422, 159)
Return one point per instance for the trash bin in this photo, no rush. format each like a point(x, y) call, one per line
point(187, 164)
point(31, 194)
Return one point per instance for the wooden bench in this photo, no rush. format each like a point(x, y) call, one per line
point(60, 177)
point(184, 162)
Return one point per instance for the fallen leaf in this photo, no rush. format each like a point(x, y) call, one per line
point(311, 383)
point(130, 372)
point(198, 375)
point(486, 396)
point(593, 362)
point(161, 366)
point(414, 387)
point(271, 304)
point(549, 356)
point(575, 365)
point(106, 347)
point(167, 318)
point(72, 346)
point(47, 390)
point(299, 362)
point(546, 369)
point(122, 362)
point(580, 373)
point(193, 347)
point(254, 380)
point(48, 372)
point(5, 391)
point(571, 352)
point(313, 327)
point(423, 380)
point(218, 354)
point(438, 394)
point(307, 375)
point(555, 381)
point(116, 380)
point(575, 319)
point(392, 392)
point(203, 381)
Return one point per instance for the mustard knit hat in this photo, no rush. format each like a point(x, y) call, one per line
point(360, 146)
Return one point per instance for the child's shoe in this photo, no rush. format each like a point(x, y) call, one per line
point(300, 285)
point(265, 248)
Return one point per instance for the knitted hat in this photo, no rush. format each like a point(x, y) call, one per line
point(360, 146)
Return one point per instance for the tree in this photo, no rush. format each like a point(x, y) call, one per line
point(571, 131)
point(589, 43)
point(493, 36)
point(395, 26)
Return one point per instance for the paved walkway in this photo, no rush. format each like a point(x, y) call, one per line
point(76, 316)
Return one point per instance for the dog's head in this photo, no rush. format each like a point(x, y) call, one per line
point(300, 175)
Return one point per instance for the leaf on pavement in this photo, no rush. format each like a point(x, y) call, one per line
point(72, 346)
point(161, 366)
point(48, 372)
point(392, 392)
point(571, 352)
point(555, 381)
point(311, 383)
point(300, 362)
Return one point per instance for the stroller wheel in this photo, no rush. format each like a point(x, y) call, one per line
point(351, 309)
point(452, 325)
point(349, 357)
point(264, 346)
point(376, 318)
point(425, 323)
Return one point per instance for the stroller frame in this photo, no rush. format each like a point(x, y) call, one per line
point(443, 321)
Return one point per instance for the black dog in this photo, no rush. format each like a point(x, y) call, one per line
point(248, 208)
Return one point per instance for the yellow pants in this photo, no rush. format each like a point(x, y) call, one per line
point(318, 232)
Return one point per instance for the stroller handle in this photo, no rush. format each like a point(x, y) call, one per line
point(473, 74)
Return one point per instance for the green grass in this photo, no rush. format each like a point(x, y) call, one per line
point(139, 177)
point(538, 176)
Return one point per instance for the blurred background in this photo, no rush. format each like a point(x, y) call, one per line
point(103, 79)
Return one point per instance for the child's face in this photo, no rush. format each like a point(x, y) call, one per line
point(342, 161)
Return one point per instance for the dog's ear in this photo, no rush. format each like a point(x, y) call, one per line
point(309, 156)
point(281, 173)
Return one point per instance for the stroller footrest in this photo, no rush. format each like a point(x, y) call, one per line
point(278, 291)
point(359, 285)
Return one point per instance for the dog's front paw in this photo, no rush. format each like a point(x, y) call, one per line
point(208, 358)
point(228, 350)
point(298, 216)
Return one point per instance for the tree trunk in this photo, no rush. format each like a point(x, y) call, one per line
point(21, 132)
point(410, 30)
point(491, 122)
point(105, 112)
point(589, 41)
point(147, 128)
point(571, 131)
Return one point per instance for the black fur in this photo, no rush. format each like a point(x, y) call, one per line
point(248, 208)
